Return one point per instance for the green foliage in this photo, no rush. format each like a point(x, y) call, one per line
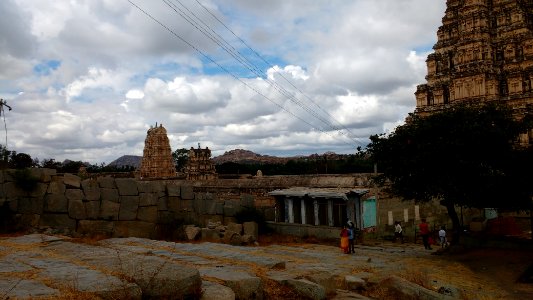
point(24, 179)
point(21, 161)
point(71, 167)
point(180, 156)
point(344, 164)
point(50, 164)
point(14, 160)
point(465, 155)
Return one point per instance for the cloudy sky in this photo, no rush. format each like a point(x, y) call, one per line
point(87, 78)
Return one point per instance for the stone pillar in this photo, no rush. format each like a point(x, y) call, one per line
point(290, 210)
point(315, 204)
point(350, 209)
point(330, 213)
point(286, 205)
point(358, 213)
point(302, 206)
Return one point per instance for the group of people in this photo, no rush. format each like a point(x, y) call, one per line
point(348, 235)
point(425, 234)
point(348, 238)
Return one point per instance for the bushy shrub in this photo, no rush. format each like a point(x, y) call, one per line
point(24, 179)
point(172, 228)
point(252, 214)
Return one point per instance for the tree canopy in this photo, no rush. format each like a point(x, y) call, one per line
point(465, 155)
point(180, 157)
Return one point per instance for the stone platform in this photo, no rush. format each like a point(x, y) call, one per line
point(40, 266)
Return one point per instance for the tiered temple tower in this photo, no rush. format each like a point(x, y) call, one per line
point(199, 165)
point(484, 52)
point(157, 159)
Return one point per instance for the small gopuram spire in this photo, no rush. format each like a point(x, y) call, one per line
point(199, 165)
point(157, 159)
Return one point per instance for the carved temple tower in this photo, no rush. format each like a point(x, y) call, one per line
point(199, 165)
point(157, 159)
point(484, 52)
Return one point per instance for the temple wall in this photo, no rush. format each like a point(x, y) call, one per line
point(122, 207)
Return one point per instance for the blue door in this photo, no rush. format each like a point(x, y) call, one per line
point(369, 212)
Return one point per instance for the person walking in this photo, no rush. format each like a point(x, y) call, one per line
point(424, 233)
point(398, 231)
point(442, 237)
point(351, 237)
point(344, 239)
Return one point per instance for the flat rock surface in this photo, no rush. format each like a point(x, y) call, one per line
point(40, 266)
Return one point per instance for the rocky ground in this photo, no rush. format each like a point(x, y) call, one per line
point(53, 267)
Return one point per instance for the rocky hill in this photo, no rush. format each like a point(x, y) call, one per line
point(240, 156)
point(126, 160)
point(245, 156)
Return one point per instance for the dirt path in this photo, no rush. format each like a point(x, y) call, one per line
point(502, 268)
point(479, 274)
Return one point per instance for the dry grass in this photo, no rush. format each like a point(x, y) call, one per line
point(90, 240)
point(417, 276)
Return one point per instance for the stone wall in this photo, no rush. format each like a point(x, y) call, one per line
point(119, 207)
point(123, 207)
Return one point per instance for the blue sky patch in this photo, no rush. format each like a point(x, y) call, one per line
point(46, 67)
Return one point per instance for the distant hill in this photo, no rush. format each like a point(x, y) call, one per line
point(239, 156)
point(248, 157)
point(127, 160)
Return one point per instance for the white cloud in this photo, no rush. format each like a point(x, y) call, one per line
point(135, 94)
point(118, 72)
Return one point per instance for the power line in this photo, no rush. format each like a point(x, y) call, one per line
point(271, 66)
point(221, 67)
point(242, 61)
point(241, 58)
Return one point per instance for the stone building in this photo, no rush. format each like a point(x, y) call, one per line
point(320, 206)
point(484, 53)
point(157, 159)
point(199, 165)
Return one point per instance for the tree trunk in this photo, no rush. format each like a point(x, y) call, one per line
point(456, 231)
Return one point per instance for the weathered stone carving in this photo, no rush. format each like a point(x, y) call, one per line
point(484, 53)
point(157, 159)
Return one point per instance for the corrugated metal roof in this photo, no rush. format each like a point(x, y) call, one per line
point(341, 193)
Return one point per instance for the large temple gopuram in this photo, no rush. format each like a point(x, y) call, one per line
point(157, 159)
point(484, 53)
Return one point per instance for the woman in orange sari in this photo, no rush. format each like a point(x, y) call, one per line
point(344, 239)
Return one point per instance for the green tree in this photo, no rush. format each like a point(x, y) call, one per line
point(466, 155)
point(21, 161)
point(70, 166)
point(180, 156)
point(4, 157)
point(50, 163)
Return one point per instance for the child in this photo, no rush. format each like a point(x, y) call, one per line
point(344, 239)
point(442, 237)
point(398, 232)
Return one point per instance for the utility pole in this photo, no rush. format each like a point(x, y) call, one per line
point(2, 104)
